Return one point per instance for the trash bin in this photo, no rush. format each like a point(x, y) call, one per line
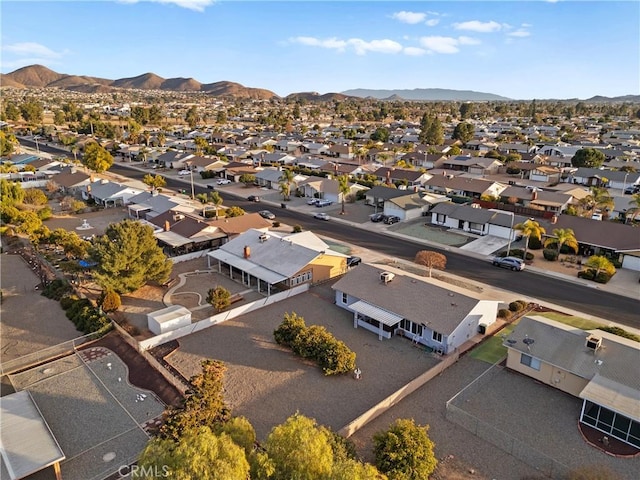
point(283, 205)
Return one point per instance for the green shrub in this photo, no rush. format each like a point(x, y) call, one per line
point(56, 289)
point(316, 343)
point(67, 301)
point(621, 332)
point(602, 277)
point(586, 274)
point(516, 306)
point(297, 228)
point(504, 313)
point(550, 254)
point(518, 252)
point(535, 243)
point(276, 224)
point(109, 301)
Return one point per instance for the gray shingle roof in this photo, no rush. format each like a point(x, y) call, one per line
point(415, 300)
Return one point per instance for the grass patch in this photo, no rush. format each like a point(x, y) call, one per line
point(492, 350)
point(578, 322)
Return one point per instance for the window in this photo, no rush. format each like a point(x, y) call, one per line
point(437, 336)
point(344, 298)
point(529, 361)
point(301, 278)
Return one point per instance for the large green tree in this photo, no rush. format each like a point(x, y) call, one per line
point(154, 181)
point(192, 118)
point(405, 451)
point(204, 404)
point(588, 157)
point(197, 454)
point(32, 111)
point(97, 158)
point(8, 143)
point(128, 257)
point(464, 132)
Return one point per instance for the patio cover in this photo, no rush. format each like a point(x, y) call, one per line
point(377, 313)
point(26, 442)
point(614, 396)
point(247, 266)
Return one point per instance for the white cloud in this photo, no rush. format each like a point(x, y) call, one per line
point(409, 17)
point(414, 51)
point(432, 22)
point(32, 49)
point(519, 33)
point(440, 44)
point(468, 41)
point(446, 45)
point(478, 26)
point(361, 47)
point(195, 5)
point(526, 25)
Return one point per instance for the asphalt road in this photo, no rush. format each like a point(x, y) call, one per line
point(617, 308)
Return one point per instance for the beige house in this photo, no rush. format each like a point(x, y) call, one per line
point(596, 366)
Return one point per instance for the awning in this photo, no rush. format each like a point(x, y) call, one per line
point(248, 266)
point(614, 396)
point(27, 444)
point(376, 313)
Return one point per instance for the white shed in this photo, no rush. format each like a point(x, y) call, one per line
point(168, 319)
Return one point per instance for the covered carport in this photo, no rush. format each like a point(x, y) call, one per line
point(374, 319)
point(26, 442)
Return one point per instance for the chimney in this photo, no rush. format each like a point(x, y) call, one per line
point(247, 251)
point(534, 194)
point(167, 226)
point(554, 220)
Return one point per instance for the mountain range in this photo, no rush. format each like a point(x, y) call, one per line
point(38, 76)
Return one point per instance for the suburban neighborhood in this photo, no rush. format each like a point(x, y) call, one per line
point(181, 268)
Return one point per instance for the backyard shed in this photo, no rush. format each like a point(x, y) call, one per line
point(168, 319)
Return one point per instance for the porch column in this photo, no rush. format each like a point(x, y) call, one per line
point(355, 319)
point(380, 330)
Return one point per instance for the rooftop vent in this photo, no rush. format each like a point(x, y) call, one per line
point(263, 238)
point(593, 342)
point(386, 277)
point(178, 216)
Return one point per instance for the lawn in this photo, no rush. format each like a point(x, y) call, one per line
point(578, 322)
point(491, 349)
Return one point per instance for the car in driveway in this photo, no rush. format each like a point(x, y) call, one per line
point(184, 172)
point(353, 261)
point(266, 214)
point(312, 201)
point(391, 219)
point(253, 198)
point(224, 181)
point(377, 217)
point(321, 216)
point(323, 203)
point(512, 263)
point(632, 190)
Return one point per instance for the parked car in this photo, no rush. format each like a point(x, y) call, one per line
point(211, 187)
point(377, 217)
point(513, 263)
point(321, 216)
point(632, 190)
point(391, 219)
point(312, 201)
point(323, 203)
point(184, 172)
point(266, 214)
point(353, 261)
point(224, 181)
point(253, 198)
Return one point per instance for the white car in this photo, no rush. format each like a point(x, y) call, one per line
point(321, 216)
point(184, 172)
point(224, 181)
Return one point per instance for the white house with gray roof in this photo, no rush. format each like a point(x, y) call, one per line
point(596, 366)
point(392, 303)
point(474, 219)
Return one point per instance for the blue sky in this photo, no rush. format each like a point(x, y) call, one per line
point(519, 49)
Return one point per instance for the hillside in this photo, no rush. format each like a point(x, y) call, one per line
point(316, 97)
point(425, 94)
point(231, 89)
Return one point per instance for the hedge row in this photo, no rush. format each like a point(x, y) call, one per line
point(590, 274)
point(84, 315)
point(315, 343)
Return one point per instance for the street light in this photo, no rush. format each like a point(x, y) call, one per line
point(513, 217)
point(192, 191)
point(624, 182)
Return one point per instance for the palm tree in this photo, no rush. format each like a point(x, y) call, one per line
point(286, 179)
point(216, 199)
point(343, 188)
point(598, 199)
point(529, 229)
point(563, 236)
point(634, 211)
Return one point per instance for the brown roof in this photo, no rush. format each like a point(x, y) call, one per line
point(237, 225)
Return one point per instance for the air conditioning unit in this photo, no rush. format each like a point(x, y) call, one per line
point(263, 238)
point(178, 216)
point(386, 277)
point(593, 342)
